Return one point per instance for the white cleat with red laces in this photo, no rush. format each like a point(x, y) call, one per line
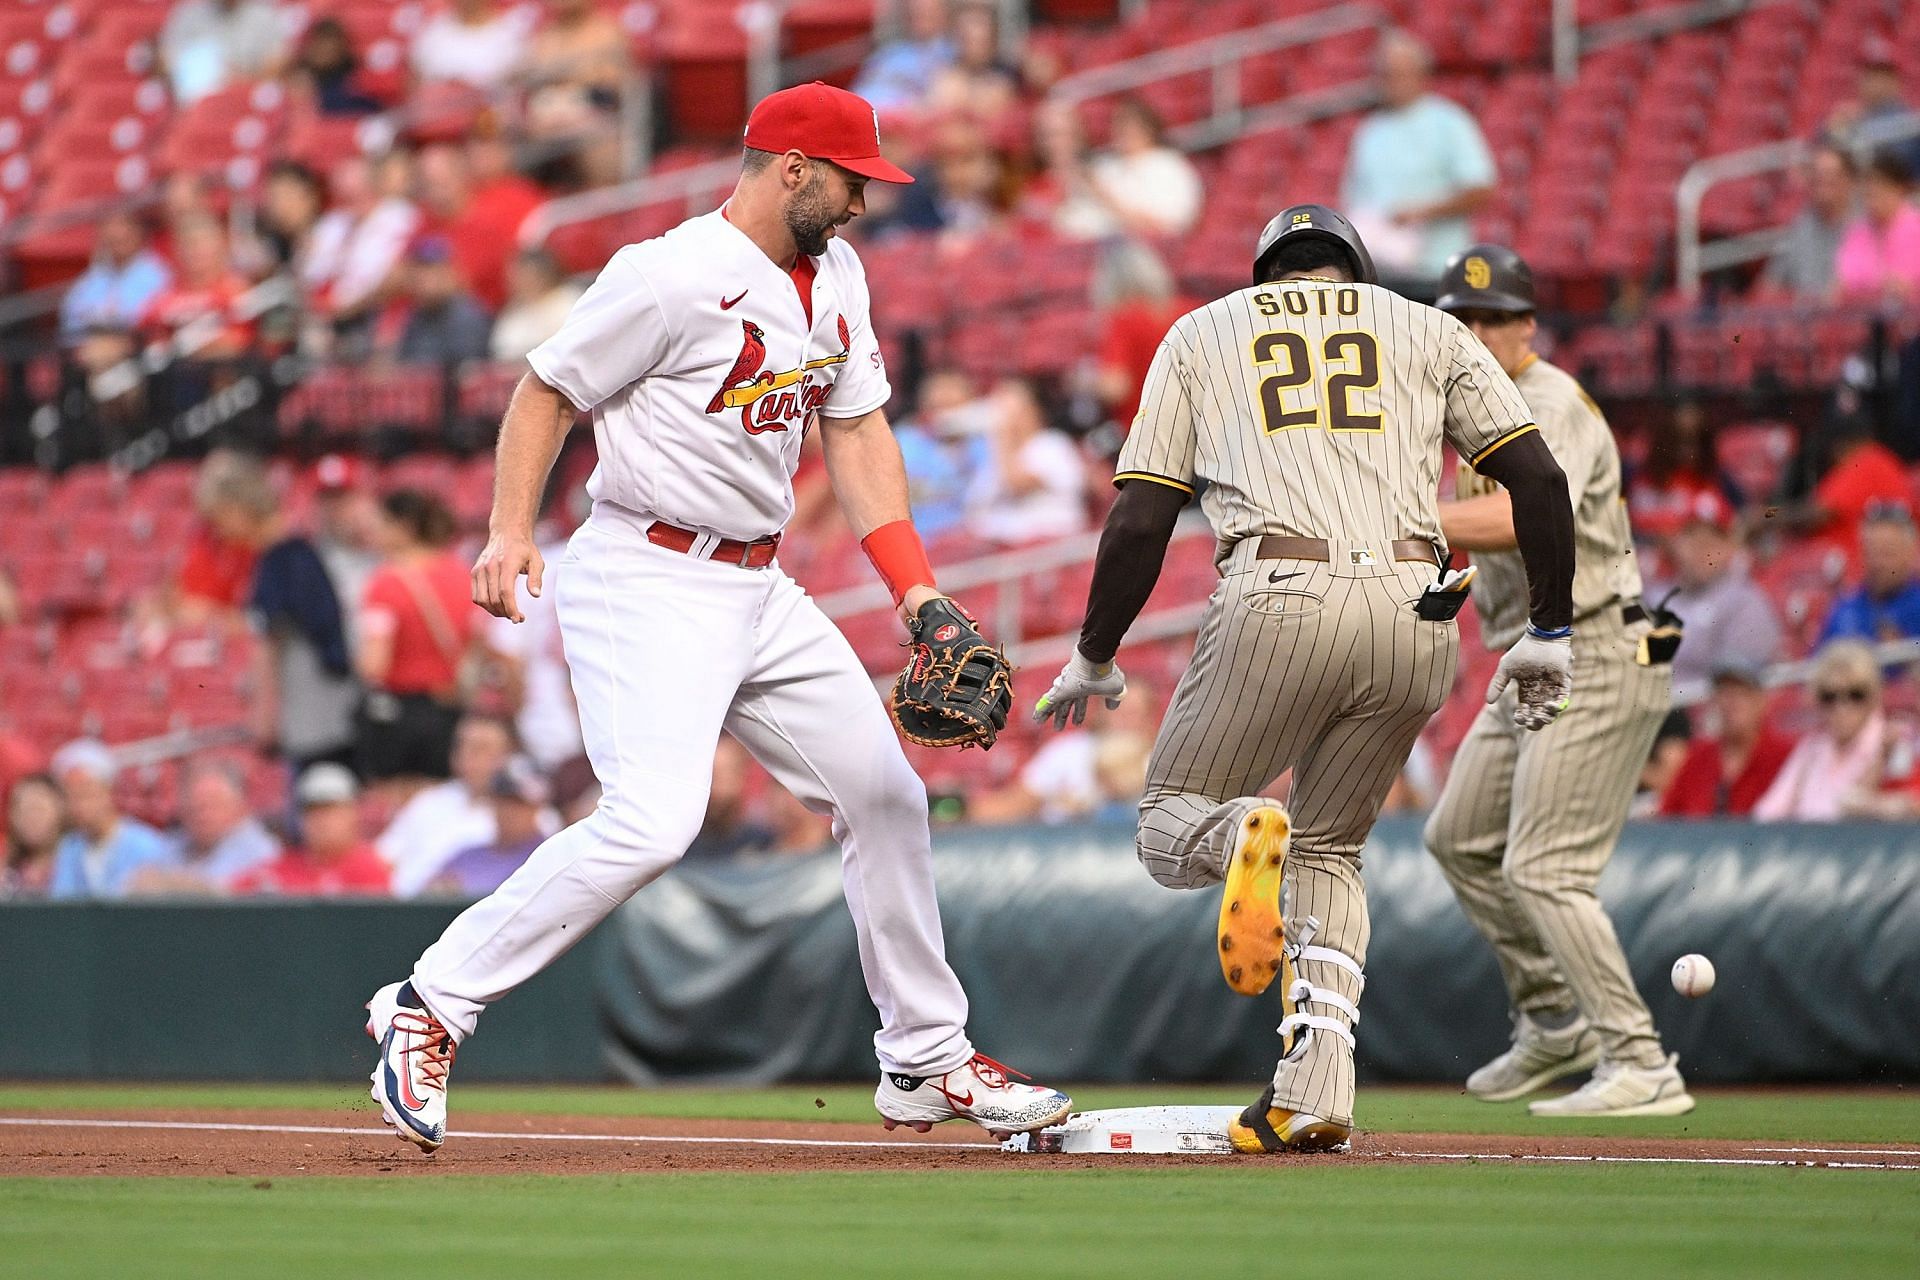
point(410, 1079)
point(982, 1091)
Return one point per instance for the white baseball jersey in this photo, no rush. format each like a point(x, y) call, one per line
point(702, 369)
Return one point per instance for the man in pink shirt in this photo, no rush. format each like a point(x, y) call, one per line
point(1880, 253)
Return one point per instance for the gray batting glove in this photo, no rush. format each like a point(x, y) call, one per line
point(1078, 681)
point(1540, 669)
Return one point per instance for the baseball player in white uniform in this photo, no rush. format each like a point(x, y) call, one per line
point(704, 356)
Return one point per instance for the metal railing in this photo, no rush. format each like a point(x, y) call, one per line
point(692, 190)
point(1221, 57)
point(1007, 572)
point(1693, 258)
point(1571, 41)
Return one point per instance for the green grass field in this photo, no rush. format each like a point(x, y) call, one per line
point(1468, 1218)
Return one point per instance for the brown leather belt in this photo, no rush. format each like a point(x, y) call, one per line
point(757, 554)
point(1276, 546)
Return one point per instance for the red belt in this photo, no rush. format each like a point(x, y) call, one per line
point(757, 554)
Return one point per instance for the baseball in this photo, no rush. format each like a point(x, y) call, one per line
point(1693, 975)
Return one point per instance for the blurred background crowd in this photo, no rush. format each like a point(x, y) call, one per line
point(271, 270)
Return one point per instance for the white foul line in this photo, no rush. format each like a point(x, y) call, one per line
point(1578, 1159)
point(208, 1126)
point(205, 1126)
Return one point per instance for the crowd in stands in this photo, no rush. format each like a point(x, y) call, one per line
point(427, 748)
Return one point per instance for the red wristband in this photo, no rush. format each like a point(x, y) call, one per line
point(898, 557)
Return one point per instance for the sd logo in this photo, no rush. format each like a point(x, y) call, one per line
point(1479, 274)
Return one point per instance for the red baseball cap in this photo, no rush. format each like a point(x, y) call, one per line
point(824, 123)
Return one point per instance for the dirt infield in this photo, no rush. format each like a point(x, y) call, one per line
point(185, 1143)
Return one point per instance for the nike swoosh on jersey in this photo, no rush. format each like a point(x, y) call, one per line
point(726, 304)
point(1277, 576)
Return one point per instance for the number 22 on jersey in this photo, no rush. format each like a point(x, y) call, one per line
point(1346, 365)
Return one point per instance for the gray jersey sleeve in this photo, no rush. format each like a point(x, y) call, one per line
point(1162, 444)
point(1484, 408)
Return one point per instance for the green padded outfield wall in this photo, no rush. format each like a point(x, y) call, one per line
point(1079, 967)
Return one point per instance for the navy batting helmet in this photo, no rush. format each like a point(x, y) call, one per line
point(1486, 277)
point(1317, 221)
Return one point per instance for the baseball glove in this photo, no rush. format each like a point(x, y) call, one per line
point(957, 688)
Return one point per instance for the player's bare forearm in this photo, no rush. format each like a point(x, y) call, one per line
point(536, 425)
point(1484, 523)
point(1133, 546)
point(1542, 523)
point(537, 422)
point(869, 481)
point(864, 464)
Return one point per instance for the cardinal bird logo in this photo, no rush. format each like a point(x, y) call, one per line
point(752, 389)
point(753, 354)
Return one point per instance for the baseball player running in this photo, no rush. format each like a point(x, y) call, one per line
point(1527, 822)
point(1314, 405)
point(703, 356)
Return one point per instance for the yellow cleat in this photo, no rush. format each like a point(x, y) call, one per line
point(1252, 934)
point(1264, 1128)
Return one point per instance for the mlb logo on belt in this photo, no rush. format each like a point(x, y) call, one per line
point(1360, 556)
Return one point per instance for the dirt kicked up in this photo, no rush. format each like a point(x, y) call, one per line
point(290, 1143)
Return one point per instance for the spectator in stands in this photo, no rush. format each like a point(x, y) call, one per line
point(220, 840)
point(292, 198)
point(945, 448)
point(1878, 98)
point(1083, 772)
point(354, 250)
point(1886, 604)
point(103, 851)
point(796, 829)
point(1864, 473)
point(728, 828)
point(346, 522)
point(1731, 764)
point(305, 691)
point(417, 624)
point(964, 193)
point(10, 611)
point(901, 72)
point(1671, 743)
point(1727, 615)
point(1803, 265)
point(207, 45)
point(217, 571)
point(334, 858)
point(1679, 473)
point(1135, 294)
point(1138, 186)
point(520, 796)
point(201, 310)
point(457, 814)
point(1879, 258)
point(533, 670)
point(1036, 485)
point(478, 202)
point(539, 295)
point(113, 295)
point(18, 759)
point(578, 68)
point(978, 84)
point(36, 821)
point(1418, 171)
point(478, 43)
point(1838, 770)
point(444, 325)
point(325, 71)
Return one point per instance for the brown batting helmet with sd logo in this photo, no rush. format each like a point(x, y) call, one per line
point(1316, 220)
point(1486, 277)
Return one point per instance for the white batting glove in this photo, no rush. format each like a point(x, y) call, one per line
point(1078, 681)
point(1540, 668)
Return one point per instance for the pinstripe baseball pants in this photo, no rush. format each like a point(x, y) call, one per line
point(1528, 820)
point(1321, 668)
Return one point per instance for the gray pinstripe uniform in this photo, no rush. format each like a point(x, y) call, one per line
point(1528, 820)
point(1314, 410)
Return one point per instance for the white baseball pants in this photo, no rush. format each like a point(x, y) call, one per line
point(666, 651)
